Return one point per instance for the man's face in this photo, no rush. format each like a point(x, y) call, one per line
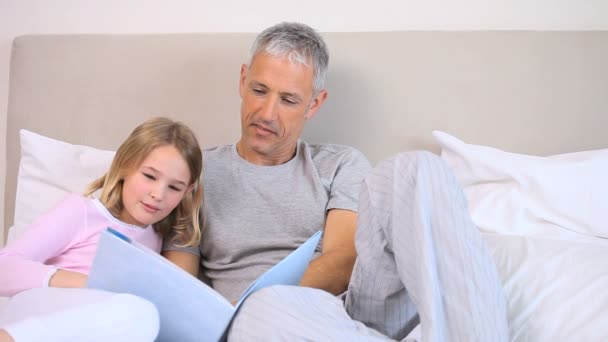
point(276, 101)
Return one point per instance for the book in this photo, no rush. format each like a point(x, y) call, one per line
point(189, 309)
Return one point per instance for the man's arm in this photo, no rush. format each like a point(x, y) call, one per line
point(186, 261)
point(332, 269)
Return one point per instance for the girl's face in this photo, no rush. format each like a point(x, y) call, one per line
point(156, 187)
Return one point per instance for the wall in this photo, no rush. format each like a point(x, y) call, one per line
point(19, 17)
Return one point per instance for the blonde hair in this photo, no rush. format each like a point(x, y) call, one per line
point(183, 224)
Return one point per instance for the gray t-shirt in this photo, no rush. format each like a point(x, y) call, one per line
point(256, 215)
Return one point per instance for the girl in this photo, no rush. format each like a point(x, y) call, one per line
point(151, 192)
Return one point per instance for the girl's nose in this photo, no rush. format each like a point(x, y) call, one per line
point(156, 194)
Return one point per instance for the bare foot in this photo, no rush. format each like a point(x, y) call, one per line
point(5, 337)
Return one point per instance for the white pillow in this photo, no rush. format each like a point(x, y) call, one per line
point(49, 170)
point(519, 194)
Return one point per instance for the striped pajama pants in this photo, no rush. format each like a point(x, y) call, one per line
point(419, 257)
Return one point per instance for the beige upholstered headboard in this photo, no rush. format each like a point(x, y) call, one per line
point(529, 92)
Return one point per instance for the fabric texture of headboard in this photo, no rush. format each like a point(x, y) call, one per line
point(528, 92)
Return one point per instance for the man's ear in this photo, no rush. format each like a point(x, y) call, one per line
point(315, 104)
point(242, 80)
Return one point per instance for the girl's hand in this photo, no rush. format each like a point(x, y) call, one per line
point(5, 337)
point(63, 278)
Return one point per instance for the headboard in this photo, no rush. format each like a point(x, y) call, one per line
point(528, 92)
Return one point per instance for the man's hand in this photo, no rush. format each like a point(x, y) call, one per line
point(63, 278)
point(332, 270)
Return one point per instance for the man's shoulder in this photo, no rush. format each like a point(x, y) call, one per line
point(217, 152)
point(217, 160)
point(332, 151)
point(218, 148)
point(327, 148)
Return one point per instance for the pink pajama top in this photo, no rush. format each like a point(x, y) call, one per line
point(63, 238)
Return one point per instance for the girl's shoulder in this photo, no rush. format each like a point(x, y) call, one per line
point(76, 200)
point(71, 200)
point(78, 205)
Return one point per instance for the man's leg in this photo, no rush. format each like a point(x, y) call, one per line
point(292, 313)
point(416, 244)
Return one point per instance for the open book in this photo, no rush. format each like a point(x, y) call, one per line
point(189, 309)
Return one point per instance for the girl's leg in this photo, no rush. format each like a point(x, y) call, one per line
point(419, 251)
point(56, 314)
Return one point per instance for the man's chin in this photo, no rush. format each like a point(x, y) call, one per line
point(261, 150)
point(259, 143)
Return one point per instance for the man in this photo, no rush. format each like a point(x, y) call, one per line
point(268, 193)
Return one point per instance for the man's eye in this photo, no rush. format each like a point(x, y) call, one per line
point(258, 91)
point(290, 102)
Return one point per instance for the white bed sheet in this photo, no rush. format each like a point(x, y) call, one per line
point(556, 288)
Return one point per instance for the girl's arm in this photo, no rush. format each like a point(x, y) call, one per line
point(23, 263)
point(63, 278)
point(186, 261)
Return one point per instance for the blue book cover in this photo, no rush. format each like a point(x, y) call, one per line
point(189, 309)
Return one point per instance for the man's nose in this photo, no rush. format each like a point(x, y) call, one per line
point(268, 110)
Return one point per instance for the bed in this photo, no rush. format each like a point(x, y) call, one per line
point(520, 116)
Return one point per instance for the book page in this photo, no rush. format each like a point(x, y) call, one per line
point(288, 271)
point(189, 309)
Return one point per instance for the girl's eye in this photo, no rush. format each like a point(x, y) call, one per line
point(174, 188)
point(149, 176)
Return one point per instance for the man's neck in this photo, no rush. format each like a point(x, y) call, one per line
point(257, 158)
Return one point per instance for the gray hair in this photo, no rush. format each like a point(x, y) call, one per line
point(298, 42)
